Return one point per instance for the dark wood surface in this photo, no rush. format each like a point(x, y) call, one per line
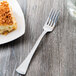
point(56, 54)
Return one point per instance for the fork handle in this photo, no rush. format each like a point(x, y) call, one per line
point(22, 69)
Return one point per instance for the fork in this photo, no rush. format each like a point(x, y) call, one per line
point(48, 27)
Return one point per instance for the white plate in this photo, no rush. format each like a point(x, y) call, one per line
point(20, 23)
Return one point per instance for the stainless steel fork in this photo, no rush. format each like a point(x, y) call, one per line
point(48, 27)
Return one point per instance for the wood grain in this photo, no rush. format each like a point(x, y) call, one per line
point(56, 54)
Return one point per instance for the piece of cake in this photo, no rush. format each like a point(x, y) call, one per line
point(7, 20)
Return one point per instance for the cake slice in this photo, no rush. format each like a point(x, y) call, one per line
point(7, 20)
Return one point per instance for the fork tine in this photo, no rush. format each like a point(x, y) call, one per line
point(52, 21)
point(50, 16)
point(56, 18)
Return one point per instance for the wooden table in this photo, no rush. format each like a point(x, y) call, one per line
point(56, 54)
